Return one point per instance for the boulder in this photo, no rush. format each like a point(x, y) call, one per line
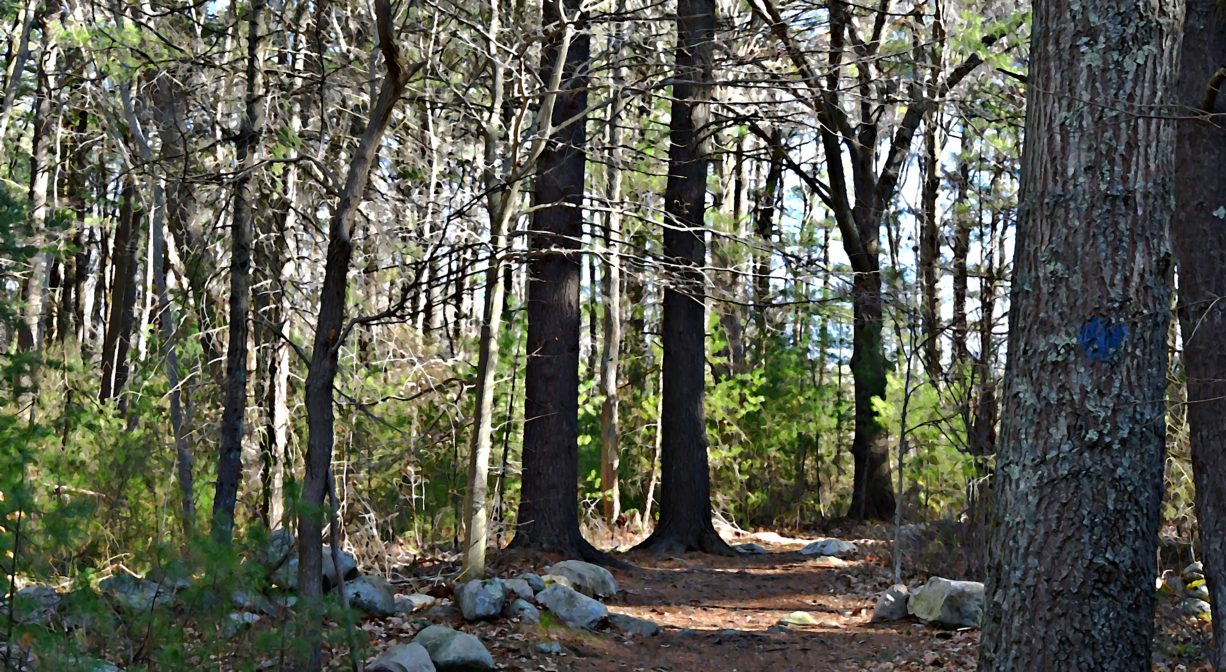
point(574, 608)
point(134, 594)
point(551, 579)
point(534, 581)
point(349, 566)
point(548, 648)
point(277, 548)
point(523, 610)
point(1196, 608)
point(892, 604)
point(831, 547)
point(481, 600)
point(1200, 591)
point(372, 595)
point(520, 588)
point(591, 580)
point(630, 625)
point(1195, 570)
point(403, 658)
point(453, 651)
point(442, 612)
point(35, 605)
point(953, 603)
point(286, 575)
point(750, 549)
point(407, 604)
point(238, 621)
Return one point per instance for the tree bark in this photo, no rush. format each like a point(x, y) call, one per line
point(548, 517)
point(685, 485)
point(1080, 458)
point(122, 303)
point(1200, 244)
point(33, 327)
point(930, 253)
point(230, 449)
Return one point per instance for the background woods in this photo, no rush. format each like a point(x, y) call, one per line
point(424, 279)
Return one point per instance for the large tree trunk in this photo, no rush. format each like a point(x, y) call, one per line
point(122, 302)
point(872, 494)
point(330, 332)
point(685, 487)
point(1079, 463)
point(549, 510)
point(230, 458)
point(930, 253)
point(33, 327)
point(1199, 238)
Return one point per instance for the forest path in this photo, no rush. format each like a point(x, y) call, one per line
point(722, 614)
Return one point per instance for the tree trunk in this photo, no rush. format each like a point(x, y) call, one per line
point(32, 328)
point(930, 254)
point(1080, 458)
point(872, 493)
point(1200, 244)
point(230, 449)
point(548, 517)
point(961, 250)
point(122, 302)
point(685, 486)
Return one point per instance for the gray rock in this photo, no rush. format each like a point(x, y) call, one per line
point(251, 601)
point(172, 578)
point(278, 548)
point(403, 658)
point(891, 604)
point(407, 604)
point(520, 588)
point(1200, 592)
point(238, 621)
point(1196, 608)
point(1195, 570)
point(534, 581)
point(286, 575)
point(481, 600)
point(591, 580)
point(574, 608)
point(953, 603)
point(551, 579)
point(349, 566)
point(36, 605)
point(750, 549)
point(134, 594)
point(454, 651)
point(442, 612)
point(548, 648)
point(832, 547)
point(633, 626)
point(372, 595)
point(523, 610)
point(283, 601)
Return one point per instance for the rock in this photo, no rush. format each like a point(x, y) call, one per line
point(1195, 570)
point(442, 612)
point(591, 580)
point(481, 600)
point(1196, 608)
point(520, 588)
point(35, 605)
point(349, 566)
point(247, 600)
point(953, 603)
point(237, 621)
point(523, 610)
point(407, 604)
point(286, 574)
point(832, 547)
point(281, 602)
point(372, 595)
point(574, 608)
point(633, 626)
point(454, 651)
point(829, 561)
point(534, 581)
point(750, 549)
point(892, 604)
point(552, 579)
point(798, 618)
point(278, 547)
point(173, 577)
point(1200, 591)
point(134, 594)
point(403, 658)
point(548, 648)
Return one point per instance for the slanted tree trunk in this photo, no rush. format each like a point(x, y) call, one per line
point(548, 517)
point(1080, 457)
point(685, 486)
point(230, 449)
point(330, 333)
point(1199, 235)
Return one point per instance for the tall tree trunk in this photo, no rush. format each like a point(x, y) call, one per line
point(610, 451)
point(330, 332)
point(548, 515)
point(930, 253)
point(16, 66)
point(764, 228)
point(1079, 476)
point(122, 302)
point(872, 494)
point(1199, 238)
point(685, 487)
point(961, 250)
point(230, 458)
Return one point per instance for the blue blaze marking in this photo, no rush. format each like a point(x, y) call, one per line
point(1101, 339)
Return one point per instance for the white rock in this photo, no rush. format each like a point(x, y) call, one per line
point(831, 547)
point(954, 603)
point(591, 580)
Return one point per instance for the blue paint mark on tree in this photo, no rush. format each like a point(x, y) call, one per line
point(1101, 339)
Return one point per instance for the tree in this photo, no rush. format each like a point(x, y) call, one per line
point(685, 487)
point(548, 508)
point(1199, 240)
point(1080, 456)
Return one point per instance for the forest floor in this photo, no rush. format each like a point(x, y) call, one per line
point(722, 614)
